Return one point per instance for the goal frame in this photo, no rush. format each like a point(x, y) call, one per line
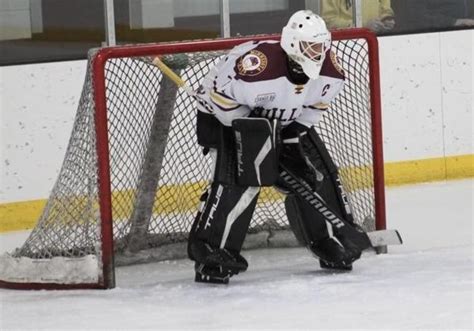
point(99, 61)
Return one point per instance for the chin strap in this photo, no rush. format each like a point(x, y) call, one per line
point(295, 67)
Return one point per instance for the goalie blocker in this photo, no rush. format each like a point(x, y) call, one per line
point(256, 151)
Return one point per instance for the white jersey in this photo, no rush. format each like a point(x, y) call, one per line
point(253, 80)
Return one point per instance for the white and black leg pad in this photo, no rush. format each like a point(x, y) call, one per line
point(224, 221)
point(256, 148)
point(333, 187)
point(307, 224)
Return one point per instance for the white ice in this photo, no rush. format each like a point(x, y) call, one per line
point(425, 284)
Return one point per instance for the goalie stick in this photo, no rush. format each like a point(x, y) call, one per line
point(174, 77)
point(374, 239)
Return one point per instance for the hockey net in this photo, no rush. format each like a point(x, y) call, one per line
point(129, 186)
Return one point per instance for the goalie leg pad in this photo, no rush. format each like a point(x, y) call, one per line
point(333, 254)
point(305, 154)
point(333, 185)
point(311, 231)
point(220, 226)
point(219, 231)
point(225, 216)
point(256, 151)
point(307, 224)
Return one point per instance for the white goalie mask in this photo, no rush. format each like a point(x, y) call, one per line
point(306, 39)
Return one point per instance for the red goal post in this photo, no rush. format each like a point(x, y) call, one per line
point(105, 190)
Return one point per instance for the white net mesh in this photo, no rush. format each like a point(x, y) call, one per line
point(158, 171)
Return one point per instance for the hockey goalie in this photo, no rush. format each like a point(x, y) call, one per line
point(256, 114)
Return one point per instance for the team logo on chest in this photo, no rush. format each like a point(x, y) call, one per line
point(252, 63)
point(335, 61)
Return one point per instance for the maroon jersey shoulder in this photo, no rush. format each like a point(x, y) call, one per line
point(266, 61)
point(332, 66)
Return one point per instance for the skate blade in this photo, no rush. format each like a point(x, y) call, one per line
point(335, 267)
point(200, 278)
point(214, 275)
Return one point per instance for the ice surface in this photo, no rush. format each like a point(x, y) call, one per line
point(425, 284)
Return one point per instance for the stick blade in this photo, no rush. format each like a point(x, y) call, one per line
point(384, 238)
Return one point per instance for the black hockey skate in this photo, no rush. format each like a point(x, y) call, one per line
point(341, 266)
point(335, 254)
point(209, 274)
point(215, 265)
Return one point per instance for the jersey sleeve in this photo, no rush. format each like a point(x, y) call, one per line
point(223, 92)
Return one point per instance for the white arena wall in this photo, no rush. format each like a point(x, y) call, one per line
point(427, 95)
